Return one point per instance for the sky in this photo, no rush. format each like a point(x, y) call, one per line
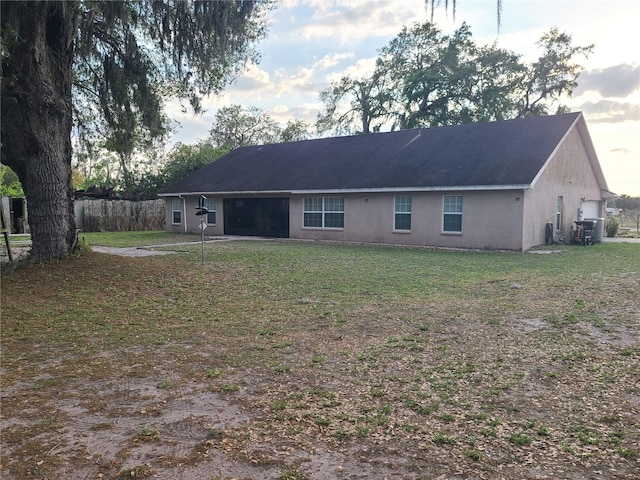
point(313, 42)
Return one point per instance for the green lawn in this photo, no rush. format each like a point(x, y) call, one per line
point(323, 359)
point(136, 239)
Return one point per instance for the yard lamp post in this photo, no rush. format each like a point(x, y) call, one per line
point(202, 210)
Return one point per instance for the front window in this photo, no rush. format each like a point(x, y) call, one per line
point(452, 213)
point(559, 202)
point(176, 211)
point(324, 212)
point(210, 205)
point(402, 213)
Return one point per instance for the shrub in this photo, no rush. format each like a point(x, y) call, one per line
point(611, 226)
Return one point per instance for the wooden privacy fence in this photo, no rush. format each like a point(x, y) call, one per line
point(119, 215)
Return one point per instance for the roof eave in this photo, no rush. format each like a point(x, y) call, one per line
point(336, 191)
point(437, 188)
point(226, 193)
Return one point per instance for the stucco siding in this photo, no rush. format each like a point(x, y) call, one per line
point(568, 174)
point(169, 226)
point(490, 220)
point(188, 215)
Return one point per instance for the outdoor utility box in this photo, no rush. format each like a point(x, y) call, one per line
point(598, 229)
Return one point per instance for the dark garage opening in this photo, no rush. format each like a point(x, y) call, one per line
point(262, 217)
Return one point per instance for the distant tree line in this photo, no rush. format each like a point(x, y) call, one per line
point(233, 127)
point(626, 203)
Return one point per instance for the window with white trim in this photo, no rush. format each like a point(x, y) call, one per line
point(402, 213)
point(559, 202)
point(323, 212)
point(176, 211)
point(452, 213)
point(210, 205)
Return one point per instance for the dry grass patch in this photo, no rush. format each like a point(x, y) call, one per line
point(295, 360)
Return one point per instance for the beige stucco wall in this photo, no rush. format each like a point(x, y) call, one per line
point(189, 204)
point(568, 174)
point(490, 220)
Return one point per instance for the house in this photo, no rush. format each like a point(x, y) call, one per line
point(493, 185)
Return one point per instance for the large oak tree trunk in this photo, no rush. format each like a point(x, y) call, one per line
point(37, 117)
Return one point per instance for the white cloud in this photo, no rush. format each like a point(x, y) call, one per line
point(306, 112)
point(332, 60)
point(253, 79)
point(611, 111)
point(356, 20)
point(362, 68)
point(616, 81)
point(258, 87)
point(298, 81)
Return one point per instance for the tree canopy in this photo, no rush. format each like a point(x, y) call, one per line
point(233, 127)
point(107, 66)
point(236, 126)
point(10, 185)
point(181, 161)
point(198, 47)
point(425, 78)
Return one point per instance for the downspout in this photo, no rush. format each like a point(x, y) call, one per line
point(184, 209)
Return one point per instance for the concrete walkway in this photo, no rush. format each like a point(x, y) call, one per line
point(150, 250)
point(620, 240)
point(130, 251)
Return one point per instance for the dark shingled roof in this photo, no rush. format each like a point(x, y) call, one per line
point(492, 155)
